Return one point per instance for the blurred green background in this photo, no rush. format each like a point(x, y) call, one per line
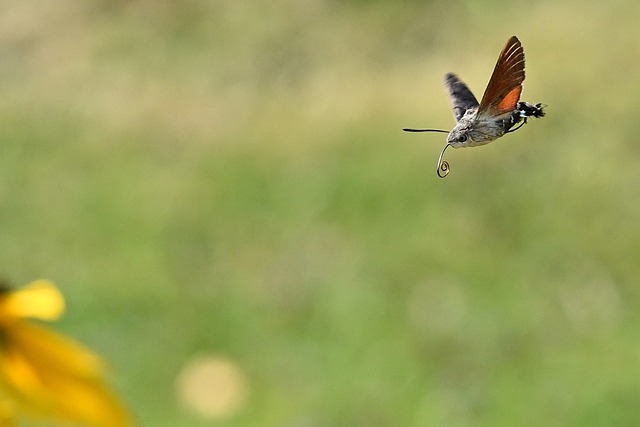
point(230, 179)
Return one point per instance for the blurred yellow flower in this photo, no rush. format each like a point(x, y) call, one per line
point(47, 374)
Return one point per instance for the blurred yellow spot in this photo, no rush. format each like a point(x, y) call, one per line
point(212, 387)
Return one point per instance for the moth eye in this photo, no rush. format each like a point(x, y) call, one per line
point(462, 138)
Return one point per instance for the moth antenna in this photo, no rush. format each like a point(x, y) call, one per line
point(425, 130)
point(443, 165)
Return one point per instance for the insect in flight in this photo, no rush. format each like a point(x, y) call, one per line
point(499, 110)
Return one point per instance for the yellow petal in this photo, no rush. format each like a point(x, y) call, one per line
point(48, 350)
point(87, 401)
point(39, 299)
point(6, 414)
point(52, 375)
point(21, 383)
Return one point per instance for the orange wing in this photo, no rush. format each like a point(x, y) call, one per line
point(503, 91)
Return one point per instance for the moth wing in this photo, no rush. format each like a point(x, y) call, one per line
point(461, 97)
point(503, 91)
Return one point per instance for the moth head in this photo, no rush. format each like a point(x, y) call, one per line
point(458, 136)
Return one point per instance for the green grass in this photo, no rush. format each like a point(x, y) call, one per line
point(231, 178)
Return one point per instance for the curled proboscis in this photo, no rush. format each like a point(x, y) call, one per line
point(443, 169)
point(443, 166)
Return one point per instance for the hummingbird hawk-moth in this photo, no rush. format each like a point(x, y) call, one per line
point(497, 113)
